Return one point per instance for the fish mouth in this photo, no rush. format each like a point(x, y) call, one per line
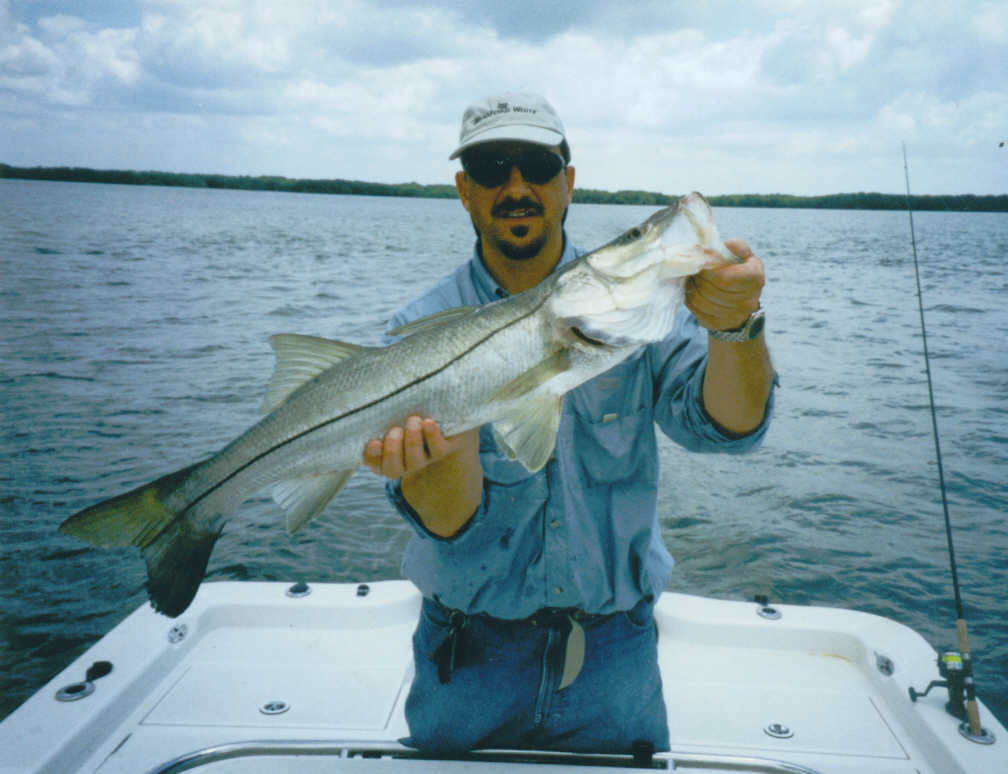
point(586, 338)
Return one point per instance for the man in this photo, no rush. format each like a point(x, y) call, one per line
point(537, 628)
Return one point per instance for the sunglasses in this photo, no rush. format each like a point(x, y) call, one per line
point(491, 169)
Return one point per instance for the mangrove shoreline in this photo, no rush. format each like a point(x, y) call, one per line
point(839, 201)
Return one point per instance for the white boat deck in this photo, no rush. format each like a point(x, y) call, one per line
point(250, 679)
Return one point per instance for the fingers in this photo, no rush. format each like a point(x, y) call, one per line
point(406, 449)
point(722, 298)
point(437, 445)
point(414, 453)
point(739, 248)
point(373, 455)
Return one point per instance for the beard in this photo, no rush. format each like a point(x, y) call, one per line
point(517, 252)
point(510, 250)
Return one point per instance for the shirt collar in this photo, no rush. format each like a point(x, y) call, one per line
point(486, 286)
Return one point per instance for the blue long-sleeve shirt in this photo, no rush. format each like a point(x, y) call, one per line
point(583, 531)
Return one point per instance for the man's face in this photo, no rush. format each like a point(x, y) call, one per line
point(516, 217)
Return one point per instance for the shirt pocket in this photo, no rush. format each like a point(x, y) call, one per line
point(610, 449)
point(612, 427)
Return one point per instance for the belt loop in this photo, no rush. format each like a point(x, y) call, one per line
point(446, 654)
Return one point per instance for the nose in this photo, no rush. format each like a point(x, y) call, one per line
point(515, 180)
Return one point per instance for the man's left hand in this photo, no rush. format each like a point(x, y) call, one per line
point(723, 298)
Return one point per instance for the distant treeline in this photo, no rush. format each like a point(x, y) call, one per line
point(839, 201)
point(844, 201)
point(245, 183)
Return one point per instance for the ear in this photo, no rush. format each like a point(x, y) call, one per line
point(569, 173)
point(462, 186)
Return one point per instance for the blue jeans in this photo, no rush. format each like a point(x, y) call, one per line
point(501, 685)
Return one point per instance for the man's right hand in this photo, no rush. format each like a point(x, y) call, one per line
point(441, 478)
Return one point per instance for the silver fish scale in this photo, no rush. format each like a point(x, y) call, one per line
point(448, 373)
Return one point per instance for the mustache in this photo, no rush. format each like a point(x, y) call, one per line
point(525, 203)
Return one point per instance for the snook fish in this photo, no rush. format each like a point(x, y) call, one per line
point(508, 364)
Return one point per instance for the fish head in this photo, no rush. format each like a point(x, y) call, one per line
point(628, 291)
point(681, 239)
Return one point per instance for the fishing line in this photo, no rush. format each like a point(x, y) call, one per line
point(975, 730)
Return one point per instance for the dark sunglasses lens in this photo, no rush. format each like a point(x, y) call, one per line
point(540, 167)
point(490, 171)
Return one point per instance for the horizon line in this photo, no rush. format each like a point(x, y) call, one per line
point(343, 186)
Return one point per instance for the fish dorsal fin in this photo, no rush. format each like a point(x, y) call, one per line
point(433, 321)
point(528, 434)
point(305, 498)
point(299, 359)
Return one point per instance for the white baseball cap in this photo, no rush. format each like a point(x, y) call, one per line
point(510, 116)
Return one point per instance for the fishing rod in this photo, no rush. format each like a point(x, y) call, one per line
point(955, 667)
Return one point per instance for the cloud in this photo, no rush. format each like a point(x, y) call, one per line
point(727, 96)
point(66, 61)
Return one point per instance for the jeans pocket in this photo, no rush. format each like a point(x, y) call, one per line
point(641, 615)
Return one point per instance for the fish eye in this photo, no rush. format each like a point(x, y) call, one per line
point(633, 234)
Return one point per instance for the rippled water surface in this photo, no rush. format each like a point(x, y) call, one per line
point(133, 341)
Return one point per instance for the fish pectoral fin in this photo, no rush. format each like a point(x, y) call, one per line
point(300, 359)
point(535, 377)
point(433, 321)
point(305, 498)
point(529, 433)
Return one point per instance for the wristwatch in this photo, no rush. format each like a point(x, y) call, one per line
point(747, 331)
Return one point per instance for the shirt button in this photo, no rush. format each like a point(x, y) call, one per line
point(558, 590)
point(555, 523)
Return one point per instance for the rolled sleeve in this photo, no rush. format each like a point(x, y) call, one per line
point(708, 436)
point(679, 406)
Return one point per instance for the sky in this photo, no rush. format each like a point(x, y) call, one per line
point(720, 96)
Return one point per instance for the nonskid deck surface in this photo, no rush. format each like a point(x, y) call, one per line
point(251, 678)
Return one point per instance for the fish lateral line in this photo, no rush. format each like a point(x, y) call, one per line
point(363, 407)
point(165, 519)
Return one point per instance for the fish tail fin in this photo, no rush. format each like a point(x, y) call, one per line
point(176, 551)
point(176, 563)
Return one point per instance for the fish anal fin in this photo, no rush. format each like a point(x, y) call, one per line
point(433, 321)
point(299, 359)
point(305, 498)
point(528, 434)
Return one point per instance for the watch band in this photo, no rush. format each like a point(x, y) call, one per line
point(747, 331)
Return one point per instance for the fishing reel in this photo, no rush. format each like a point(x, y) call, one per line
point(956, 672)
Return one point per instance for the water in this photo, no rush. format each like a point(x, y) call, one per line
point(134, 340)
